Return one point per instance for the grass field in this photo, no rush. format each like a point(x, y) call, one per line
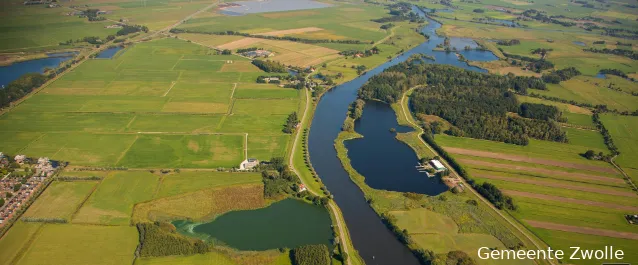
point(214, 258)
point(16, 239)
point(115, 105)
point(112, 203)
point(583, 198)
point(623, 130)
point(60, 199)
point(85, 244)
point(337, 22)
point(189, 181)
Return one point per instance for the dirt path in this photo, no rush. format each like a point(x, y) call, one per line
point(575, 176)
point(518, 158)
point(514, 224)
point(582, 230)
point(560, 185)
point(333, 207)
point(570, 200)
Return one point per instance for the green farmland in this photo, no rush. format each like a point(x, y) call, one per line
point(148, 101)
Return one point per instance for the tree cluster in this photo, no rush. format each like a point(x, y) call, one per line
point(128, 29)
point(620, 52)
point(270, 66)
point(536, 65)
point(311, 255)
point(20, 87)
point(161, 239)
point(557, 76)
point(278, 179)
point(291, 123)
point(364, 53)
point(511, 42)
point(542, 17)
point(615, 72)
point(247, 49)
point(540, 111)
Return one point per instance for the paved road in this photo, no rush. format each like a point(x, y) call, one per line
point(331, 205)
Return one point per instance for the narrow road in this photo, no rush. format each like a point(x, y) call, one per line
point(331, 204)
point(522, 231)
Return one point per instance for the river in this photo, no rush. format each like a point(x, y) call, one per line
point(374, 242)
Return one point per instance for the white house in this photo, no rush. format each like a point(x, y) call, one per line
point(248, 164)
point(436, 164)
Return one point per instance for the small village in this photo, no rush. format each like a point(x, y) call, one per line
point(21, 179)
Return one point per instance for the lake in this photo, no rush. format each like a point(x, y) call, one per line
point(109, 53)
point(372, 239)
point(14, 71)
point(250, 7)
point(394, 162)
point(285, 224)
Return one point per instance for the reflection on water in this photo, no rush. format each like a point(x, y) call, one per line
point(250, 7)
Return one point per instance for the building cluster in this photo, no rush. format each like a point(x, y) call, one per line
point(19, 185)
point(259, 53)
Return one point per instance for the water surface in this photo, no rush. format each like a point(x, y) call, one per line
point(374, 242)
point(109, 53)
point(579, 43)
point(250, 7)
point(285, 224)
point(14, 71)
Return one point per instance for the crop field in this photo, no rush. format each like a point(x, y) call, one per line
point(623, 130)
point(39, 28)
point(16, 239)
point(594, 91)
point(215, 258)
point(60, 199)
point(572, 200)
point(112, 203)
point(115, 106)
point(86, 244)
point(440, 234)
point(337, 23)
point(189, 181)
point(286, 52)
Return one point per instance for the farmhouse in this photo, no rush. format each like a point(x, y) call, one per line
point(248, 164)
point(436, 164)
point(20, 159)
point(302, 187)
point(259, 53)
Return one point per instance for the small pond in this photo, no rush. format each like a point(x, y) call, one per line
point(14, 71)
point(580, 43)
point(250, 7)
point(109, 53)
point(288, 223)
point(601, 75)
point(387, 163)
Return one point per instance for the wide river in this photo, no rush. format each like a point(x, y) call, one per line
point(375, 243)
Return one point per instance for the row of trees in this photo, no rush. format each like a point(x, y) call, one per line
point(161, 239)
point(615, 72)
point(536, 65)
point(288, 38)
point(620, 52)
point(128, 29)
point(557, 76)
point(508, 42)
point(270, 66)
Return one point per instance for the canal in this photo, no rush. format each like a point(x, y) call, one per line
point(374, 242)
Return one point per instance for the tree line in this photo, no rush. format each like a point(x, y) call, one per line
point(270, 66)
point(511, 42)
point(620, 52)
point(536, 65)
point(288, 38)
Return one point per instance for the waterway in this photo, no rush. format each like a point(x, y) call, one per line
point(374, 242)
point(285, 224)
point(250, 7)
point(14, 71)
point(109, 53)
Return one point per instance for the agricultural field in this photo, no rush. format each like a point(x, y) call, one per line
point(60, 200)
point(115, 104)
point(623, 130)
point(338, 22)
point(561, 197)
point(35, 27)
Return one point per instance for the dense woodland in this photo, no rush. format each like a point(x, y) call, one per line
point(270, 66)
point(475, 103)
point(20, 87)
point(540, 112)
point(311, 255)
point(161, 239)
